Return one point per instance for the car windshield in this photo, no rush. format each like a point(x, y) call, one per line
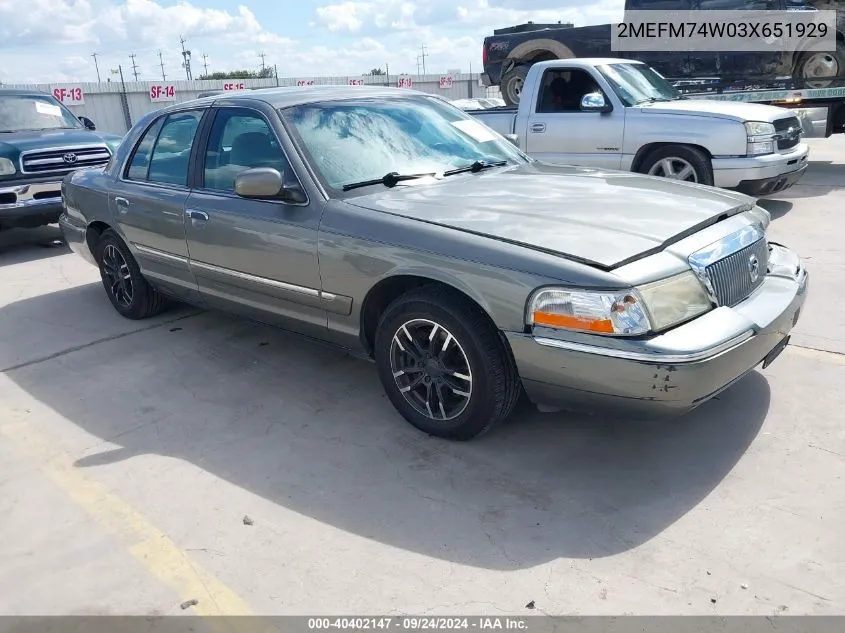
point(637, 83)
point(356, 140)
point(21, 113)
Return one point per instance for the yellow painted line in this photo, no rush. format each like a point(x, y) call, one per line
point(152, 547)
point(817, 354)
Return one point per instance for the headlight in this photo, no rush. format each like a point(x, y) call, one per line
point(614, 313)
point(674, 300)
point(7, 167)
point(651, 307)
point(760, 139)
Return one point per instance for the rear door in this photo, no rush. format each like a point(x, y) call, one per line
point(148, 200)
point(560, 132)
point(255, 257)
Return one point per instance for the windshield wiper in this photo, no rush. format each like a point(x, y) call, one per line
point(475, 167)
point(388, 180)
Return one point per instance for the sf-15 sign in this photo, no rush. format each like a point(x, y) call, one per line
point(159, 92)
point(69, 95)
point(234, 85)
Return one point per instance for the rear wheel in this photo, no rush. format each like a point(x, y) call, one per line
point(679, 162)
point(512, 83)
point(130, 294)
point(818, 69)
point(443, 364)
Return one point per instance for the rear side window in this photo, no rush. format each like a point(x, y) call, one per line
point(172, 151)
point(140, 163)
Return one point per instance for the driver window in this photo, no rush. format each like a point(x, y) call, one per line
point(562, 90)
point(239, 140)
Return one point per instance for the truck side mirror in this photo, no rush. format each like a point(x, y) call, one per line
point(513, 138)
point(594, 102)
point(88, 123)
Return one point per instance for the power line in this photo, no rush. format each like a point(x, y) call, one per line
point(97, 66)
point(161, 63)
point(186, 55)
point(205, 63)
point(134, 66)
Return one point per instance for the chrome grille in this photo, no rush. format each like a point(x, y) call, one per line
point(782, 126)
point(60, 159)
point(731, 277)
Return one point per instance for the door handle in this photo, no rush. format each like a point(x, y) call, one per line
point(122, 204)
point(538, 127)
point(199, 216)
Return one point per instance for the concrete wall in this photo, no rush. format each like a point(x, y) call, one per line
point(104, 102)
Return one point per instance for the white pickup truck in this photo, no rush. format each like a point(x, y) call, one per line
point(622, 114)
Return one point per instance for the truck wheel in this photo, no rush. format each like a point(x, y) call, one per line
point(128, 291)
point(679, 162)
point(818, 69)
point(512, 83)
point(443, 365)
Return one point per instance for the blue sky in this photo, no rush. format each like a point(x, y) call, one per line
point(50, 41)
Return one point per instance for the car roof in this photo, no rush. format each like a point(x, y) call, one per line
point(285, 96)
point(20, 92)
point(588, 61)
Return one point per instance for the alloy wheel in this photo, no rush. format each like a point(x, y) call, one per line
point(117, 273)
point(431, 369)
point(674, 168)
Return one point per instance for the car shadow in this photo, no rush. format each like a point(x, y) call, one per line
point(27, 245)
point(776, 208)
point(822, 177)
point(308, 428)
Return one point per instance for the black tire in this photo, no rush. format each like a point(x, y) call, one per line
point(143, 301)
point(832, 62)
point(512, 83)
point(679, 155)
point(494, 382)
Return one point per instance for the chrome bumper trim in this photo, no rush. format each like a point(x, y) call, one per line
point(24, 195)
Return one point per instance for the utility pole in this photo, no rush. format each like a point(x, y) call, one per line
point(134, 66)
point(386, 74)
point(423, 55)
point(97, 66)
point(186, 55)
point(161, 63)
point(263, 67)
point(205, 63)
point(276, 73)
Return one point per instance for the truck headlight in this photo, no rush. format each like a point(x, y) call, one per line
point(7, 167)
point(759, 138)
point(617, 313)
point(673, 300)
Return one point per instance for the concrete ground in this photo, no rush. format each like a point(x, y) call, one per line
point(200, 457)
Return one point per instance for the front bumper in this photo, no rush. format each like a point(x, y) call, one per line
point(672, 373)
point(762, 175)
point(31, 204)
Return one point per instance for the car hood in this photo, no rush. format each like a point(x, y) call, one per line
point(13, 143)
point(731, 110)
point(603, 218)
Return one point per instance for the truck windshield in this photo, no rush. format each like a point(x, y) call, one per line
point(638, 83)
point(22, 113)
point(358, 140)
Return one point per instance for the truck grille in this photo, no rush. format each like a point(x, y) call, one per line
point(783, 126)
point(63, 159)
point(733, 277)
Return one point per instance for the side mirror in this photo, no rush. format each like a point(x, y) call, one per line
point(513, 138)
point(594, 102)
point(267, 183)
point(88, 123)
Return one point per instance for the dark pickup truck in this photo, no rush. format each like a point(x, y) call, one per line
point(41, 141)
point(510, 52)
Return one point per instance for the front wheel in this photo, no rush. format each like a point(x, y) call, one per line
point(130, 294)
point(679, 162)
point(443, 364)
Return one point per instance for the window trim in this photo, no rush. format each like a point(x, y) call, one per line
point(199, 178)
point(571, 69)
point(164, 185)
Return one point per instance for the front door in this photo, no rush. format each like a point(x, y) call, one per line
point(147, 201)
point(255, 257)
point(560, 132)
